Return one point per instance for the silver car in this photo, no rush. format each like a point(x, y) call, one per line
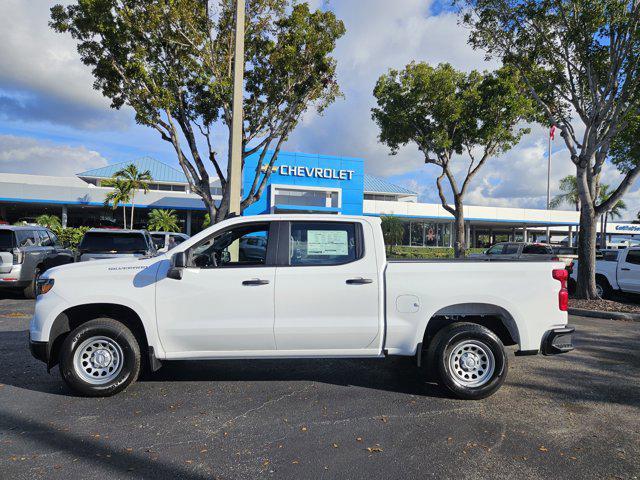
point(101, 243)
point(25, 253)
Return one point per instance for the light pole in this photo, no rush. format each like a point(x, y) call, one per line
point(551, 135)
point(234, 169)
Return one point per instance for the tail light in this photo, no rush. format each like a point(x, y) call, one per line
point(18, 256)
point(562, 276)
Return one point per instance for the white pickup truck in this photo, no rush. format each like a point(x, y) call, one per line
point(296, 286)
point(617, 270)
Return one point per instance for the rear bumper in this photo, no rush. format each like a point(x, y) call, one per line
point(558, 340)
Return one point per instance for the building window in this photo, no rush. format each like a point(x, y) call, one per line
point(426, 234)
point(381, 197)
point(306, 198)
point(178, 188)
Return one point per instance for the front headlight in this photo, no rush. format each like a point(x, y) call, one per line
point(44, 285)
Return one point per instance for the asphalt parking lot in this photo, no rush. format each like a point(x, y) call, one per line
point(571, 416)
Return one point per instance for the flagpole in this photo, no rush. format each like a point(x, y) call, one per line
point(549, 182)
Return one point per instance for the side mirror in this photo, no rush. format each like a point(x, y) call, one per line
point(178, 263)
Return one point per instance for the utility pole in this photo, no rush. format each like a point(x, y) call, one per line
point(551, 134)
point(234, 169)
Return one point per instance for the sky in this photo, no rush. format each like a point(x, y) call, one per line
point(52, 122)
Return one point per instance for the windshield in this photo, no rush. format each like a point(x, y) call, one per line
point(6, 239)
point(113, 242)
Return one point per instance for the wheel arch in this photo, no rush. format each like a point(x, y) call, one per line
point(75, 316)
point(494, 317)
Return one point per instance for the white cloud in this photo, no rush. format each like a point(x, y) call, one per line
point(29, 155)
point(42, 77)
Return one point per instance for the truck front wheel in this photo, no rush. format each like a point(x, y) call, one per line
point(470, 360)
point(100, 358)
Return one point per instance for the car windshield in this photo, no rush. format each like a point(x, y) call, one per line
point(113, 242)
point(158, 240)
point(7, 239)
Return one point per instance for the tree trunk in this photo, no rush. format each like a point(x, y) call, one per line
point(132, 206)
point(460, 242)
point(587, 254)
point(124, 216)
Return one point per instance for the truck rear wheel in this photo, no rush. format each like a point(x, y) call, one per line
point(469, 359)
point(100, 358)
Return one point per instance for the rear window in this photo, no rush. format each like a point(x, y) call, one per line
point(7, 240)
point(536, 250)
point(113, 242)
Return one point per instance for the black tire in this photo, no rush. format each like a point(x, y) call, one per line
point(441, 354)
point(121, 337)
point(603, 284)
point(30, 290)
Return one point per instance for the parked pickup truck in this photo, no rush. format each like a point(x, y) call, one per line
point(321, 287)
point(617, 270)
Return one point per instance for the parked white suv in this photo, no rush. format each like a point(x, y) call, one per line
point(312, 286)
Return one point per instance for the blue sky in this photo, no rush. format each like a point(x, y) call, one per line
point(52, 121)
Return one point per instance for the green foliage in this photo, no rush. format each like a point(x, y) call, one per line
point(171, 61)
point(120, 195)
point(70, 237)
point(616, 210)
point(625, 148)
point(207, 221)
point(426, 252)
point(163, 221)
point(49, 221)
point(445, 111)
point(392, 230)
point(133, 178)
point(570, 195)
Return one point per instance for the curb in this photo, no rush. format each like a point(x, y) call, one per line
point(633, 317)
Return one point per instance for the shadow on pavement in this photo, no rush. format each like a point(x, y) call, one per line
point(94, 452)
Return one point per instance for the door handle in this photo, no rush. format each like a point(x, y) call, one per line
point(255, 282)
point(359, 281)
point(625, 269)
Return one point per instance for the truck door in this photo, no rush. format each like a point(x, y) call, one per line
point(327, 288)
point(629, 271)
point(224, 301)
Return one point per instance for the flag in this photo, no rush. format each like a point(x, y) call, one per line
point(552, 132)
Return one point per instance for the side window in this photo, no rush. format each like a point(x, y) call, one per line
point(633, 256)
point(26, 238)
point(177, 240)
point(510, 249)
point(322, 243)
point(158, 240)
point(54, 239)
point(496, 249)
point(244, 245)
point(45, 240)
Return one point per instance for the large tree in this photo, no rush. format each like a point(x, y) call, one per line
point(172, 62)
point(457, 120)
point(580, 62)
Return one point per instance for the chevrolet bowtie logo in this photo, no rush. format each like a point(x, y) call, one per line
point(264, 169)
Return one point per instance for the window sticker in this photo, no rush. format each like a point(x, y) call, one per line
point(327, 242)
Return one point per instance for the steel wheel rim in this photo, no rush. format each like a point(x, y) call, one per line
point(599, 290)
point(471, 363)
point(98, 360)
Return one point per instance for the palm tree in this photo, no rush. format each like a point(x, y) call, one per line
point(49, 221)
point(392, 231)
point(121, 194)
point(614, 212)
point(163, 220)
point(135, 180)
point(568, 185)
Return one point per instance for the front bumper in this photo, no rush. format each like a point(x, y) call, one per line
point(558, 340)
point(39, 350)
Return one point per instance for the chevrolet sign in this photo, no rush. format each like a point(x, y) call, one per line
point(311, 172)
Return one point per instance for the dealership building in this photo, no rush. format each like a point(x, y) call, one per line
point(300, 183)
